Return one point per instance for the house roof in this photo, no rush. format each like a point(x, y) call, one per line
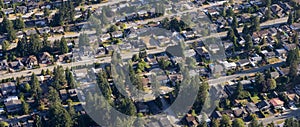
point(252, 107)
point(276, 102)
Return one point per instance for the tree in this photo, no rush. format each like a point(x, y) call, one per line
point(230, 12)
point(27, 87)
point(35, 44)
point(19, 23)
point(234, 24)
point(256, 23)
point(38, 121)
point(46, 12)
point(223, 12)
point(230, 34)
point(254, 122)
point(53, 97)
point(8, 28)
point(271, 84)
point(245, 30)
point(5, 45)
point(249, 43)
point(59, 117)
point(292, 57)
point(4, 124)
point(63, 46)
point(83, 40)
point(295, 38)
point(291, 19)
point(215, 123)
point(70, 79)
point(25, 107)
point(263, 41)
point(36, 89)
point(43, 72)
point(164, 64)
point(268, 3)
point(225, 121)
point(238, 123)
point(293, 70)
point(268, 13)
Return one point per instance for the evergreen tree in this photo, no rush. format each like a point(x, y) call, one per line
point(215, 123)
point(25, 107)
point(36, 88)
point(249, 43)
point(63, 46)
point(59, 116)
point(268, 13)
point(245, 30)
point(238, 123)
point(19, 23)
point(8, 28)
point(230, 34)
point(235, 23)
point(295, 38)
point(290, 19)
point(256, 24)
point(225, 121)
point(35, 44)
point(38, 121)
point(5, 45)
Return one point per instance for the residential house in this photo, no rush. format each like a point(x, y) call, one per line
point(19, 34)
point(281, 53)
point(243, 62)
point(214, 48)
point(4, 65)
point(274, 75)
point(13, 105)
point(277, 10)
point(8, 11)
point(117, 34)
point(63, 94)
point(30, 32)
point(58, 29)
point(126, 46)
point(142, 107)
point(295, 26)
point(239, 112)
point(191, 120)
point(22, 9)
point(40, 22)
point(263, 105)
point(7, 88)
point(45, 58)
point(272, 31)
point(104, 37)
point(100, 52)
point(276, 103)
point(16, 65)
point(293, 98)
point(31, 61)
point(251, 108)
point(44, 30)
point(216, 115)
point(285, 6)
point(268, 55)
point(72, 92)
point(256, 37)
point(112, 48)
point(289, 47)
point(229, 66)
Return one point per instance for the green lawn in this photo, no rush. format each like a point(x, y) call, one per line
point(255, 99)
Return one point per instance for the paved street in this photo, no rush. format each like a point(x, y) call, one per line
point(287, 114)
point(223, 79)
